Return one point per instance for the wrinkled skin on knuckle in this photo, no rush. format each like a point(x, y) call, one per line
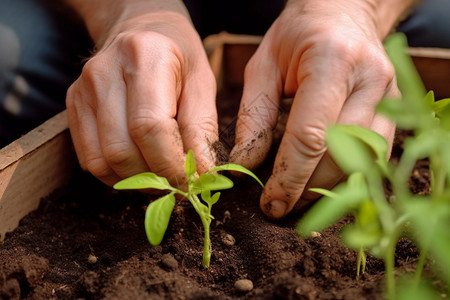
point(94, 78)
point(148, 48)
point(97, 166)
point(381, 68)
point(116, 154)
point(307, 140)
point(144, 126)
point(207, 126)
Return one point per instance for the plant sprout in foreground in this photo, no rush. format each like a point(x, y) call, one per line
point(379, 222)
point(158, 212)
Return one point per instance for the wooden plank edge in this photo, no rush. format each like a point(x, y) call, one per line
point(32, 167)
point(429, 52)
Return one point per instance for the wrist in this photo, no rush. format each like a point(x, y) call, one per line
point(106, 17)
point(380, 15)
point(389, 13)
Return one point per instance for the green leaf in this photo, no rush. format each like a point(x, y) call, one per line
point(366, 231)
point(407, 291)
point(356, 237)
point(410, 85)
point(443, 112)
point(146, 180)
point(237, 168)
point(408, 79)
point(157, 217)
point(367, 214)
point(429, 99)
point(206, 196)
point(397, 111)
point(446, 158)
point(324, 192)
point(431, 221)
point(349, 152)
point(215, 198)
point(440, 248)
point(440, 105)
point(328, 210)
point(210, 182)
point(415, 148)
point(190, 168)
point(375, 141)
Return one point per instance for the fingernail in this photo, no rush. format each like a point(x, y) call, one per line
point(276, 209)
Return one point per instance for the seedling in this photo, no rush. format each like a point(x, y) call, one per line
point(158, 212)
point(361, 153)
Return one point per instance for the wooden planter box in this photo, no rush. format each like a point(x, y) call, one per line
point(43, 160)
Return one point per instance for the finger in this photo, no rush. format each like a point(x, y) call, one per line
point(303, 143)
point(359, 109)
point(83, 128)
point(258, 111)
point(197, 117)
point(152, 89)
point(119, 151)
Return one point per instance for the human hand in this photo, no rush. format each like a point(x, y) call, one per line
point(143, 99)
point(327, 56)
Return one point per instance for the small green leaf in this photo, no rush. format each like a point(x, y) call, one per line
point(375, 141)
point(328, 210)
point(157, 217)
point(440, 105)
point(206, 196)
point(429, 99)
point(190, 168)
point(146, 180)
point(210, 182)
point(415, 148)
point(214, 198)
point(356, 237)
point(324, 192)
point(397, 111)
point(349, 152)
point(367, 214)
point(408, 79)
point(237, 168)
point(443, 113)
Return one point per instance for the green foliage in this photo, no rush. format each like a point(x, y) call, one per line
point(158, 212)
point(361, 153)
point(157, 217)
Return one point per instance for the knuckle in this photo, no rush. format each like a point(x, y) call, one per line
point(139, 45)
point(93, 78)
point(308, 140)
point(208, 124)
point(384, 69)
point(116, 154)
point(142, 127)
point(144, 52)
point(97, 166)
point(70, 98)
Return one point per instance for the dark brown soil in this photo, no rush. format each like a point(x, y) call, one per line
point(88, 242)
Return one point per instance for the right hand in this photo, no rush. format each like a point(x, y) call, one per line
point(327, 56)
point(144, 99)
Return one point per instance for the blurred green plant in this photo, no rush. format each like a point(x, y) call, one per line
point(379, 222)
point(158, 212)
